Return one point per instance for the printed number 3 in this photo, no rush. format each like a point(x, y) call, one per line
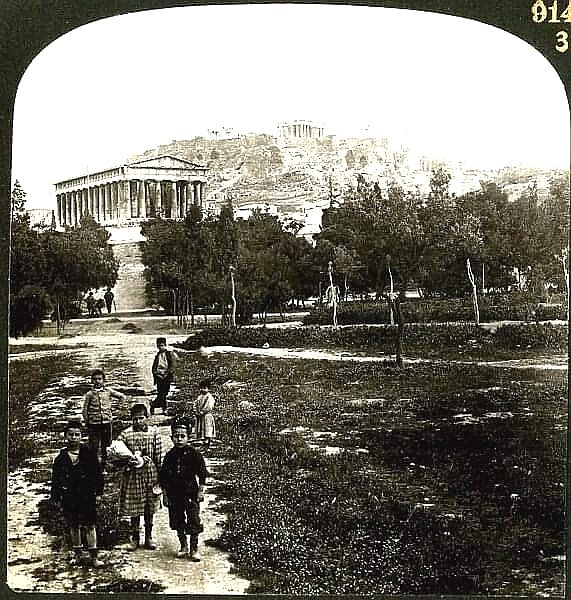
point(562, 44)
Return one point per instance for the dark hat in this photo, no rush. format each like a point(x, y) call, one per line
point(139, 407)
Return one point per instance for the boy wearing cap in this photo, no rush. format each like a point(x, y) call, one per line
point(98, 414)
point(76, 482)
point(163, 374)
point(182, 478)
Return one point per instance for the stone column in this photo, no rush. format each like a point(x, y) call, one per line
point(202, 194)
point(193, 191)
point(108, 202)
point(148, 211)
point(79, 205)
point(132, 195)
point(124, 205)
point(141, 200)
point(184, 197)
point(174, 207)
point(115, 200)
point(101, 204)
point(65, 208)
point(97, 203)
point(67, 213)
point(73, 208)
point(159, 199)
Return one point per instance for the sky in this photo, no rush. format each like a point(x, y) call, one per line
point(443, 86)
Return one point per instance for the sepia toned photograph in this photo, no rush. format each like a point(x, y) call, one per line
point(288, 304)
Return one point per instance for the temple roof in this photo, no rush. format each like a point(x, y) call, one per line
point(165, 161)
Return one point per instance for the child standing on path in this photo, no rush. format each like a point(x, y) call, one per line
point(163, 374)
point(182, 478)
point(76, 481)
point(136, 493)
point(204, 405)
point(97, 414)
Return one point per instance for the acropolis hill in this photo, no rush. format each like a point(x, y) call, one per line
point(291, 172)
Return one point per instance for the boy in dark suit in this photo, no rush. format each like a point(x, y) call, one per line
point(182, 478)
point(76, 482)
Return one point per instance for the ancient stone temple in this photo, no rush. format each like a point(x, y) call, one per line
point(300, 129)
point(163, 186)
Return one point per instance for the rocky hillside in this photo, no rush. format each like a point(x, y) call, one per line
point(281, 172)
point(294, 174)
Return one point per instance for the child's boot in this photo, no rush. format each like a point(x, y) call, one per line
point(94, 561)
point(149, 544)
point(194, 555)
point(135, 536)
point(183, 552)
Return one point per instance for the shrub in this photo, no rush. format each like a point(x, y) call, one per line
point(27, 309)
point(440, 311)
point(431, 339)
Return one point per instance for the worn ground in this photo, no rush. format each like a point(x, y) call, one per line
point(31, 564)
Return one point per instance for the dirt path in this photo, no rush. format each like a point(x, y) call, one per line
point(31, 567)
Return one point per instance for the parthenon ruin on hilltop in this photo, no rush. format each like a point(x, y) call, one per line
point(163, 186)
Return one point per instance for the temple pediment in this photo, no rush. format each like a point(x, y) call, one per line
point(165, 162)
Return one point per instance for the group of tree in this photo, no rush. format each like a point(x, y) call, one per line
point(51, 270)
point(191, 264)
point(426, 241)
point(518, 244)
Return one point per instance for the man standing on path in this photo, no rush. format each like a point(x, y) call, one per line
point(139, 480)
point(109, 296)
point(163, 374)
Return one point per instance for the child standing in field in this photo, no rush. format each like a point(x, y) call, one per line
point(182, 478)
point(137, 496)
point(204, 405)
point(97, 414)
point(163, 374)
point(76, 481)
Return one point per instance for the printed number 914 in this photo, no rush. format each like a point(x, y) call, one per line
point(541, 13)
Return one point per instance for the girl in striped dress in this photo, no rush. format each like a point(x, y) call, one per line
point(204, 405)
point(136, 496)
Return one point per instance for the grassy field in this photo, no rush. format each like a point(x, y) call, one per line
point(345, 477)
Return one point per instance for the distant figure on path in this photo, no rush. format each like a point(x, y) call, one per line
point(137, 495)
point(163, 374)
point(76, 481)
point(108, 297)
point(99, 304)
point(90, 303)
point(98, 415)
point(182, 478)
point(204, 405)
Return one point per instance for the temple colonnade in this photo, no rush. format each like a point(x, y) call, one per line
point(165, 187)
point(300, 129)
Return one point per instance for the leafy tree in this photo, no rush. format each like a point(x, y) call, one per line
point(76, 260)
point(449, 236)
point(346, 263)
point(226, 246)
point(490, 207)
point(53, 269)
